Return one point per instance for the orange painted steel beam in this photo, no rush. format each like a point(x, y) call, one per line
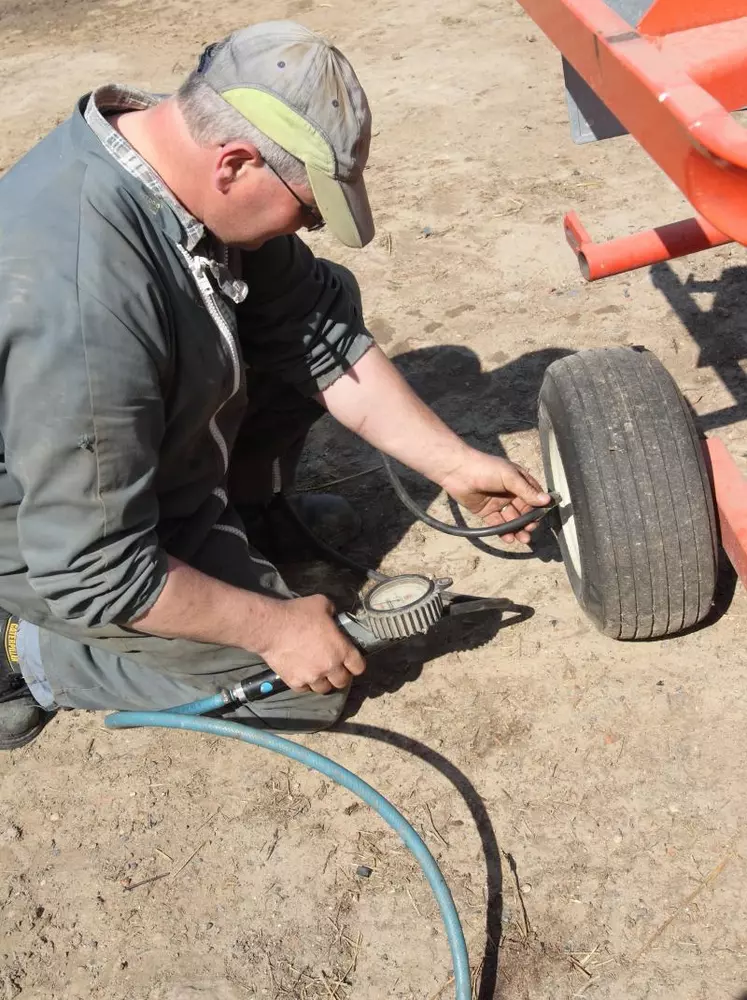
point(665, 16)
point(730, 492)
point(691, 136)
point(626, 253)
point(715, 57)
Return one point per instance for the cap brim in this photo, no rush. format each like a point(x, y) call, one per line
point(344, 207)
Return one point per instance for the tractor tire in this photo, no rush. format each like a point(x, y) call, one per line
point(636, 524)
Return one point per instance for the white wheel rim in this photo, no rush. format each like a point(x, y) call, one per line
point(567, 517)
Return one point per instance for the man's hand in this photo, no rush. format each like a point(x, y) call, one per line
point(299, 638)
point(308, 649)
point(496, 490)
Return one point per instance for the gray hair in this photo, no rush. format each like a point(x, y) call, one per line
point(212, 121)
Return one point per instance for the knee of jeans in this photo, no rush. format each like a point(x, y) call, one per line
point(348, 280)
point(299, 713)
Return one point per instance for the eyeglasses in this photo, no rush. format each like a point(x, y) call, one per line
point(310, 211)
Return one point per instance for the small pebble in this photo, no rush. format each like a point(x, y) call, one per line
point(54, 817)
point(12, 832)
point(364, 871)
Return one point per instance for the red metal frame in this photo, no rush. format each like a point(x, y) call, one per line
point(730, 493)
point(626, 253)
point(672, 82)
point(665, 16)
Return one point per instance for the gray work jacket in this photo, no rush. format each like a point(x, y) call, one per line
point(123, 379)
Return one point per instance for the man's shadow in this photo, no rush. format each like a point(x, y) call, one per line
point(479, 405)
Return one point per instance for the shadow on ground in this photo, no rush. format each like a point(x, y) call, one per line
point(480, 406)
point(402, 663)
point(719, 331)
point(490, 848)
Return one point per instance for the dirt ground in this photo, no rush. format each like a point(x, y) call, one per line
point(584, 798)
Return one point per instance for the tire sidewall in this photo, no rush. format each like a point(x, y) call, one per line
point(588, 587)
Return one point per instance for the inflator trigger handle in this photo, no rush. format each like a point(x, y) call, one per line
point(268, 683)
point(263, 685)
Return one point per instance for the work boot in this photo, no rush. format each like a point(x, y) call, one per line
point(275, 531)
point(21, 718)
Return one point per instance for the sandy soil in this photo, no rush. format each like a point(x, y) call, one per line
point(585, 798)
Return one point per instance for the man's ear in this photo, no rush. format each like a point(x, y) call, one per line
point(234, 160)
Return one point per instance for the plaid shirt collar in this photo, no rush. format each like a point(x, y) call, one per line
point(113, 98)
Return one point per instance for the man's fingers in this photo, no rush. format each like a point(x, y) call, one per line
point(340, 678)
point(507, 513)
point(354, 662)
point(322, 686)
point(497, 514)
point(526, 488)
point(513, 510)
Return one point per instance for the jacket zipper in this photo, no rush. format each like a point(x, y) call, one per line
point(207, 294)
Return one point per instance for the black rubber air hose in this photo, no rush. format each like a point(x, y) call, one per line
point(507, 528)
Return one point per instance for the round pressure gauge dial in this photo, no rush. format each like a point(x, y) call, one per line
point(404, 606)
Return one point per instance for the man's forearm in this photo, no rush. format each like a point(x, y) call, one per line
point(193, 605)
point(298, 638)
point(374, 401)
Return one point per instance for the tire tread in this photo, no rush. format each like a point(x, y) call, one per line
point(646, 523)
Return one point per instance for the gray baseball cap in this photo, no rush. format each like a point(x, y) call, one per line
point(299, 90)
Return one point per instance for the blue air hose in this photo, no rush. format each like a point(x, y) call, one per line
point(189, 717)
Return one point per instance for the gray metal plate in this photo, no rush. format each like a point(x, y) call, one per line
point(590, 118)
